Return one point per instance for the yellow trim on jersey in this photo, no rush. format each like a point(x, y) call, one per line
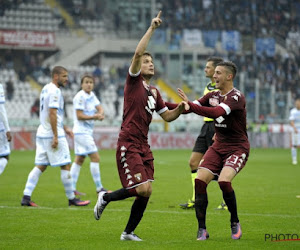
point(209, 88)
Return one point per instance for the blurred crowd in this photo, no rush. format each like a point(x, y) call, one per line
point(279, 19)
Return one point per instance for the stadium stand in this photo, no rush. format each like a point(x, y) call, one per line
point(270, 81)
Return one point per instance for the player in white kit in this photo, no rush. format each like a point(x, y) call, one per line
point(295, 135)
point(87, 109)
point(51, 143)
point(5, 136)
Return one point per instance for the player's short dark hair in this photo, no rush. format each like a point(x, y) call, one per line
point(87, 76)
point(215, 60)
point(147, 53)
point(58, 70)
point(229, 66)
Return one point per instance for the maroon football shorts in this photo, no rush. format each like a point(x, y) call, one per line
point(215, 160)
point(135, 163)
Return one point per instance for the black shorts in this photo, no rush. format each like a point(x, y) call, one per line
point(204, 140)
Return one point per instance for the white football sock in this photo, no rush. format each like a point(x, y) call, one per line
point(32, 181)
point(95, 171)
point(75, 171)
point(67, 181)
point(294, 153)
point(3, 163)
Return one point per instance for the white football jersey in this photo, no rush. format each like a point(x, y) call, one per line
point(3, 115)
point(87, 103)
point(51, 97)
point(295, 116)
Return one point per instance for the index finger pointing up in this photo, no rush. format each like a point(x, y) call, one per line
point(159, 14)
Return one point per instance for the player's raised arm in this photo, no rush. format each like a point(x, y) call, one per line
point(142, 45)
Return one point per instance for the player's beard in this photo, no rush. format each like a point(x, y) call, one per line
point(60, 84)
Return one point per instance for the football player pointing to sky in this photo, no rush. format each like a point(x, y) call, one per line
point(134, 157)
point(229, 153)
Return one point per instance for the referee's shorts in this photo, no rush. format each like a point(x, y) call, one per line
point(204, 140)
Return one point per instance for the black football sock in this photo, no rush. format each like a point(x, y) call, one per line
point(120, 194)
point(201, 202)
point(230, 200)
point(137, 211)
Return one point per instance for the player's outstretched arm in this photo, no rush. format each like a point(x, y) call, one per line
point(142, 45)
point(171, 115)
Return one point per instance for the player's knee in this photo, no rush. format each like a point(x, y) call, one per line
point(95, 157)
point(225, 186)
point(144, 190)
point(193, 164)
point(79, 160)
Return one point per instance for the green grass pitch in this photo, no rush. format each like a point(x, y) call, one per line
point(266, 191)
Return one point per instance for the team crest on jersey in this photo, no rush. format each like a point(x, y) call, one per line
point(154, 92)
point(213, 102)
point(138, 177)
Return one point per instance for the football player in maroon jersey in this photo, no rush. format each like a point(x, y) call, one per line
point(229, 153)
point(133, 155)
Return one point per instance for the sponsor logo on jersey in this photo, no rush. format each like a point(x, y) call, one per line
point(55, 98)
point(154, 92)
point(220, 119)
point(220, 125)
point(150, 104)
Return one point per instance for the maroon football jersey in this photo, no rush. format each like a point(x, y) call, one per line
point(140, 101)
point(231, 128)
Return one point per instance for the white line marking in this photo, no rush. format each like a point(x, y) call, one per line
point(148, 211)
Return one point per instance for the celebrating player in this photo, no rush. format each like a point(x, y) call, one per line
point(51, 143)
point(87, 109)
point(5, 136)
point(229, 153)
point(205, 138)
point(133, 155)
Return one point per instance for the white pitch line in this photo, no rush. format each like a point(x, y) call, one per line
point(148, 211)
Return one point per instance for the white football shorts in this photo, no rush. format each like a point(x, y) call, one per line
point(4, 144)
point(84, 144)
point(46, 155)
point(296, 138)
